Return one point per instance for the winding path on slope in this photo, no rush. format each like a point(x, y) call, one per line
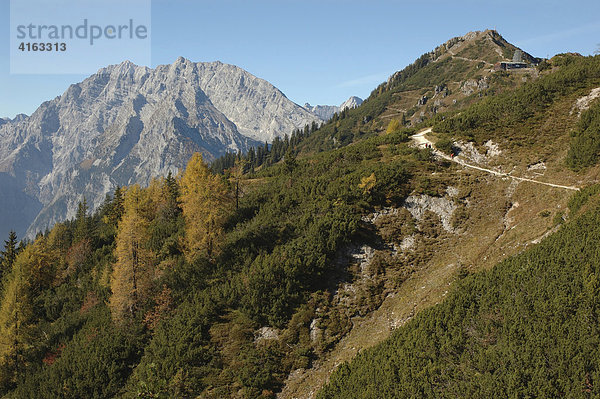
point(422, 141)
point(426, 287)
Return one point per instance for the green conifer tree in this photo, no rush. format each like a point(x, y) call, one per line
point(8, 255)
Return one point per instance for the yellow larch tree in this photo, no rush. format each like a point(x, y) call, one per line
point(33, 271)
point(16, 326)
point(393, 126)
point(367, 183)
point(132, 275)
point(206, 203)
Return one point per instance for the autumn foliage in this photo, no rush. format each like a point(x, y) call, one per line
point(133, 272)
point(206, 203)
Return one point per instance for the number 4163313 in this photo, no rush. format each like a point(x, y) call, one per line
point(43, 47)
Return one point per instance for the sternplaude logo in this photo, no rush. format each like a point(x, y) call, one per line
point(78, 36)
point(83, 31)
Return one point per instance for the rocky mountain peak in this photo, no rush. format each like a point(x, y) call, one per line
point(325, 112)
point(16, 119)
point(127, 124)
point(487, 46)
point(350, 103)
point(20, 118)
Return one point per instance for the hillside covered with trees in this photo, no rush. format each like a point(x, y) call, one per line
point(161, 290)
point(225, 280)
point(526, 328)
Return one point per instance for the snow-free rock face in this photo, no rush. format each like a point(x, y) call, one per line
point(258, 109)
point(350, 103)
point(127, 124)
point(325, 112)
point(20, 118)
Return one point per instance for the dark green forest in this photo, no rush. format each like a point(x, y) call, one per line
point(74, 325)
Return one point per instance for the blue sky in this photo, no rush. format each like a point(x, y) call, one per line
point(322, 51)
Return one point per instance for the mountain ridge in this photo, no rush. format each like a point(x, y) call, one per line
point(325, 112)
point(128, 123)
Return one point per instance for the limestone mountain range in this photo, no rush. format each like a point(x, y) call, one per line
point(127, 124)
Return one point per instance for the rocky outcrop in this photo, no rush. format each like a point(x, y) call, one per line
point(266, 334)
point(417, 205)
point(324, 112)
point(583, 103)
point(470, 86)
point(468, 151)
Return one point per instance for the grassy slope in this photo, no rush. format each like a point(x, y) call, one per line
point(526, 328)
point(450, 65)
point(504, 218)
point(493, 229)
